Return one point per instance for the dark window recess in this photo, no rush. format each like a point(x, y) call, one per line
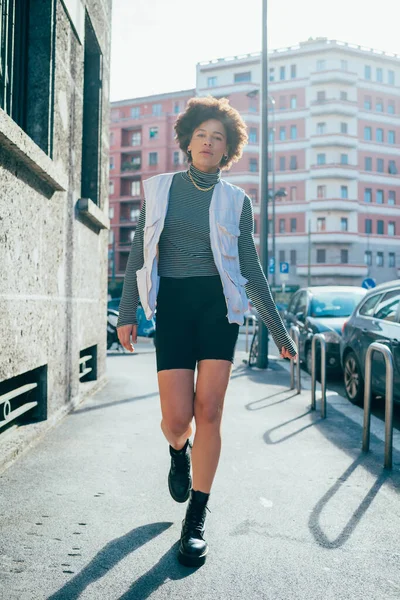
point(23, 399)
point(88, 364)
point(92, 109)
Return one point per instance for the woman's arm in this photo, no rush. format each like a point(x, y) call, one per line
point(257, 287)
point(130, 293)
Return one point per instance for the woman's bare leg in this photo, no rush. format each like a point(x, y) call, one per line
point(212, 382)
point(176, 395)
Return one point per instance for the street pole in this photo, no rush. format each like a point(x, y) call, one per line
point(273, 191)
point(262, 359)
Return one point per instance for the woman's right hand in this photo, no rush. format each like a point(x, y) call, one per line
point(125, 332)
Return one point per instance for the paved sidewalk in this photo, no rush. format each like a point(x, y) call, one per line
point(297, 511)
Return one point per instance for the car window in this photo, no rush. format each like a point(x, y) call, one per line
point(333, 304)
point(293, 303)
point(367, 309)
point(387, 307)
point(301, 305)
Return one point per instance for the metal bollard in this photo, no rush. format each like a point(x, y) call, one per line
point(377, 347)
point(318, 337)
point(295, 335)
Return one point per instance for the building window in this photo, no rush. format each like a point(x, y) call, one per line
point(379, 135)
point(271, 134)
point(379, 75)
point(344, 224)
point(391, 137)
point(253, 165)
point(293, 194)
point(391, 77)
point(253, 195)
point(282, 256)
point(254, 103)
point(392, 259)
point(282, 134)
point(368, 134)
point(390, 107)
point(282, 227)
point(176, 158)
point(293, 132)
point(242, 77)
point(367, 72)
point(321, 159)
point(392, 197)
point(135, 188)
point(153, 133)
point(321, 224)
point(153, 158)
point(368, 226)
point(344, 128)
point(293, 163)
point(380, 227)
point(211, 81)
point(321, 96)
point(111, 236)
point(321, 65)
point(379, 259)
point(282, 102)
point(111, 189)
point(368, 163)
point(344, 257)
point(253, 135)
point(114, 115)
point(368, 258)
point(379, 197)
point(368, 195)
point(380, 165)
point(293, 258)
point(112, 138)
point(136, 139)
point(282, 73)
point(321, 256)
point(293, 71)
point(176, 108)
point(379, 105)
point(344, 65)
point(343, 96)
point(293, 101)
point(156, 110)
point(344, 192)
point(282, 163)
point(344, 159)
point(392, 169)
point(391, 228)
point(321, 128)
point(367, 102)
point(135, 112)
point(321, 191)
point(111, 163)
point(272, 74)
point(293, 225)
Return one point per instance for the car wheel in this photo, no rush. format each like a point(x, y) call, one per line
point(309, 362)
point(353, 381)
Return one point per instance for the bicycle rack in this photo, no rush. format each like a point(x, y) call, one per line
point(295, 335)
point(378, 347)
point(318, 337)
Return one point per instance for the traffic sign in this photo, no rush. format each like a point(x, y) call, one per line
point(368, 283)
point(271, 268)
point(284, 267)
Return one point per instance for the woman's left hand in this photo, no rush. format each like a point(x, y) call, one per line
point(286, 354)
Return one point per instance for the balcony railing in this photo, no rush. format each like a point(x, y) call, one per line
point(127, 166)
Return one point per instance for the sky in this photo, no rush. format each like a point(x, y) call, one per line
point(156, 44)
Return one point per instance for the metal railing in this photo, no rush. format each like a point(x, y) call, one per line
point(295, 335)
point(385, 351)
point(318, 337)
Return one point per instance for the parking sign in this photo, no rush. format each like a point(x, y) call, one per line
point(284, 267)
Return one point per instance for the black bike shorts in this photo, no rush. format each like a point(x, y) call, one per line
point(192, 323)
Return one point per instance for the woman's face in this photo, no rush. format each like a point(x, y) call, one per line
point(208, 146)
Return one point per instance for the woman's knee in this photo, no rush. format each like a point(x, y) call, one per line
point(208, 412)
point(176, 426)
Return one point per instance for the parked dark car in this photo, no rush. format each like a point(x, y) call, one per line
point(375, 319)
point(322, 309)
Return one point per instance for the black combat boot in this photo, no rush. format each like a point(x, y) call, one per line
point(193, 548)
point(179, 479)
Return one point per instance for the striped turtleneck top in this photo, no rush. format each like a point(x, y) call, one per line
point(185, 251)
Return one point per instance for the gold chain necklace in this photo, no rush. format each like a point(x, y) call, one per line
point(198, 187)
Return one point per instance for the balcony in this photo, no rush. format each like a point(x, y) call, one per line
point(333, 76)
point(333, 270)
point(333, 139)
point(334, 171)
point(334, 237)
point(334, 106)
point(333, 204)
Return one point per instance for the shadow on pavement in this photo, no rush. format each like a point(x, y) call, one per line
point(250, 405)
point(111, 555)
point(109, 404)
point(314, 525)
point(267, 434)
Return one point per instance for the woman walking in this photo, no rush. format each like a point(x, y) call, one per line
point(193, 256)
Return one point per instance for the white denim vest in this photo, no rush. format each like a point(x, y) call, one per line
point(225, 211)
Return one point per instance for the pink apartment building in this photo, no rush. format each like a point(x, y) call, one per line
point(335, 128)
